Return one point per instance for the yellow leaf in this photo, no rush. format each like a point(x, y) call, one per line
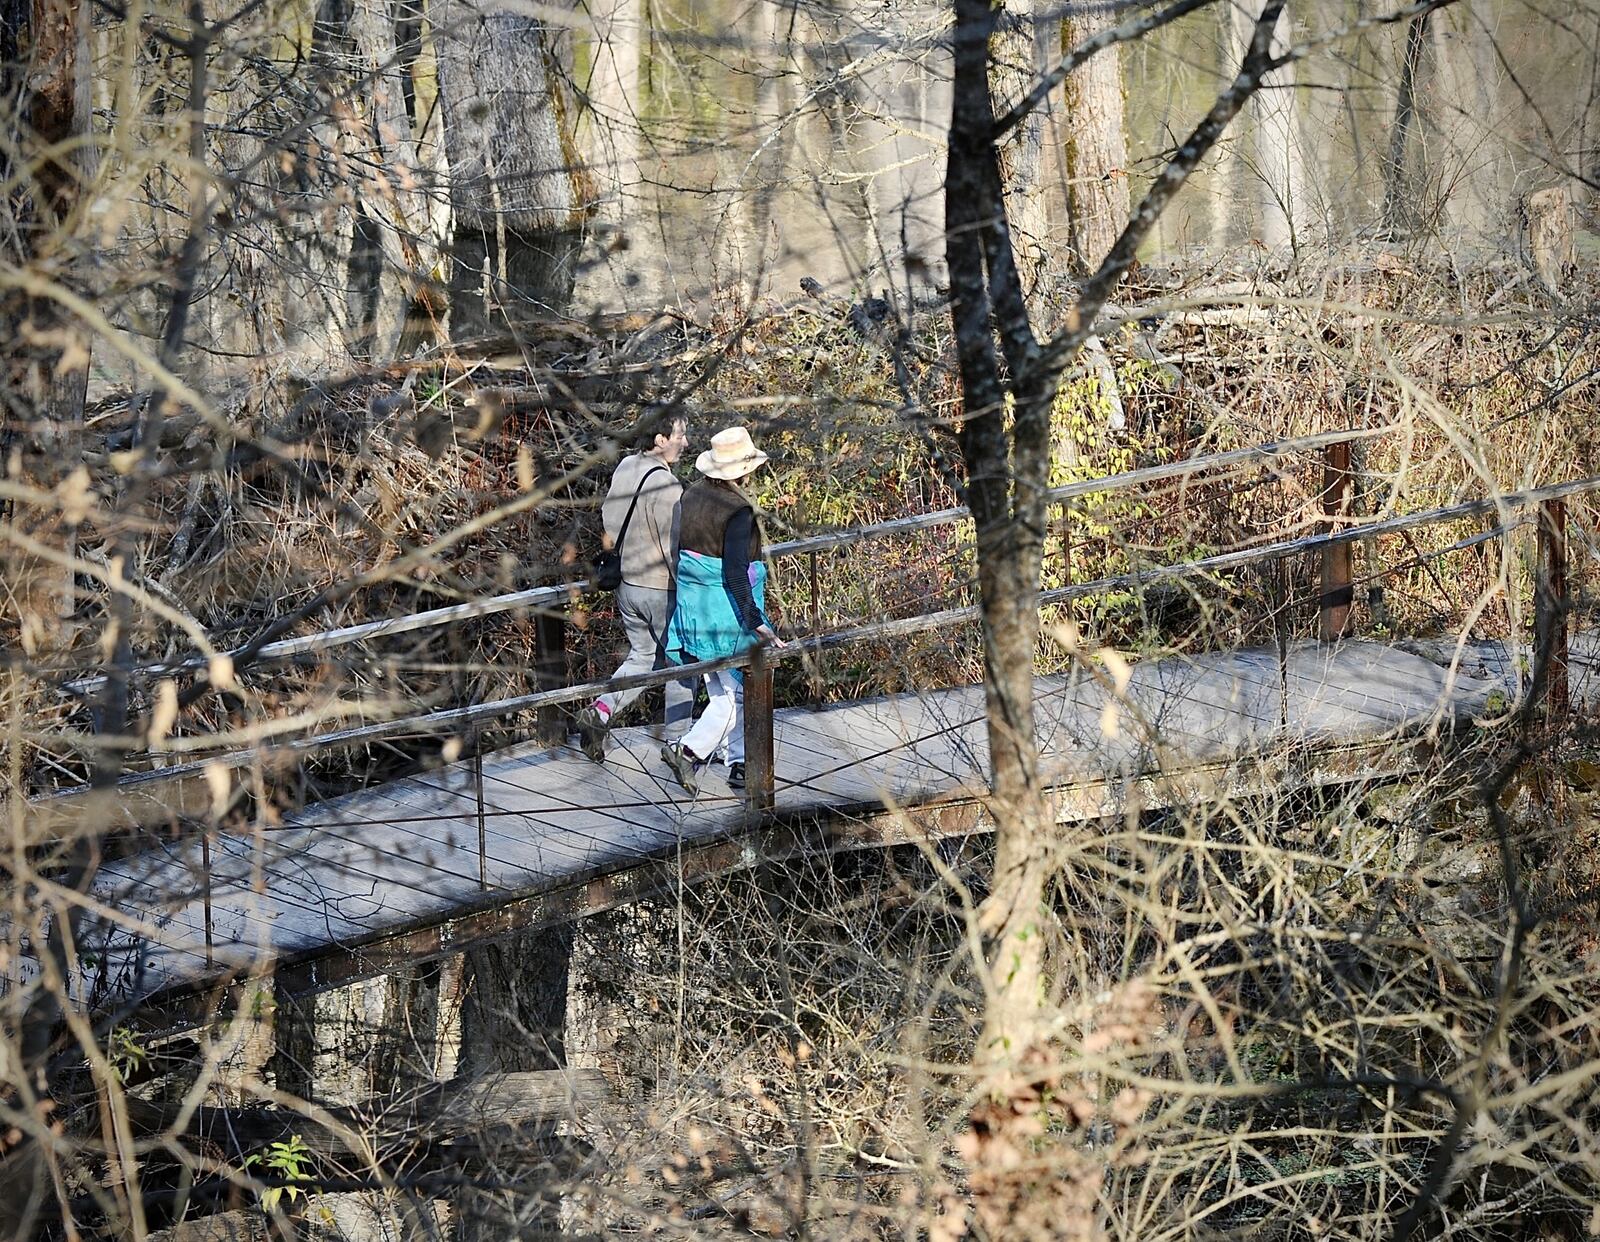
point(77, 497)
point(74, 357)
point(1121, 671)
point(165, 712)
point(1065, 635)
point(221, 786)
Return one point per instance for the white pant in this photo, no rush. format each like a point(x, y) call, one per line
point(722, 723)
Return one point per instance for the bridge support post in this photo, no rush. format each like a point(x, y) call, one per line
point(1337, 591)
point(1550, 604)
point(759, 780)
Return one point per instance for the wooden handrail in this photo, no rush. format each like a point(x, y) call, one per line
point(545, 596)
point(287, 647)
point(1083, 487)
point(472, 714)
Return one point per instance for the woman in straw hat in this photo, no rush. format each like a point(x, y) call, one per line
point(721, 604)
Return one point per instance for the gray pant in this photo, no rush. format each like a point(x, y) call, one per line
point(645, 612)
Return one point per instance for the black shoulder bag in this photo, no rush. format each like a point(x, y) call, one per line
point(606, 568)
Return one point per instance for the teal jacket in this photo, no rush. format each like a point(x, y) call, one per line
point(706, 621)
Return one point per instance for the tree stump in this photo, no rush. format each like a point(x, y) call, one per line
point(1551, 217)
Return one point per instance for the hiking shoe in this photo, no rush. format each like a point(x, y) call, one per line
point(736, 776)
point(684, 766)
point(592, 733)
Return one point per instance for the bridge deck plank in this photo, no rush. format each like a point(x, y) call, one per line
point(405, 855)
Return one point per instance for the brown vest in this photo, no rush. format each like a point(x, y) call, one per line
point(703, 519)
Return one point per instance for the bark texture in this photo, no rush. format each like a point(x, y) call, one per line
point(408, 1045)
point(45, 95)
point(405, 290)
point(1471, 192)
point(1269, 155)
point(613, 129)
point(1401, 174)
point(1025, 34)
point(512, 159)
point(1094, 145)
point(1007, 461)
point(518, 191)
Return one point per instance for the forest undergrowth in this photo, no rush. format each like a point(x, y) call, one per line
point(1300, 1012)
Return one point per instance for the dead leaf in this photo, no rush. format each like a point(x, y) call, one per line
point(221, 786)
point(165, 712)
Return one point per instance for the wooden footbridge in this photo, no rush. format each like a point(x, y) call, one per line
point(536, 834)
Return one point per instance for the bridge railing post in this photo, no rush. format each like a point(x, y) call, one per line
point(1064, 533)
point(550, 673)
point(814, 664)
point(1336, 583)
point(759, 777)
point(1551, 605)
point(205, 892)
point(483, 828)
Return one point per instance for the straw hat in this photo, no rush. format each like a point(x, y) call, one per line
point(732, 455)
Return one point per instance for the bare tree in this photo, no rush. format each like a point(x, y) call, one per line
point(1094, 147)
point(1253, 1009)
point(518, 190)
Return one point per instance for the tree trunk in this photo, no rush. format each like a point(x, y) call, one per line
point(45, 81)
point(518, 191)
point(1006, 471)
point(1270, 156)
point(45, 72)
point(408, 1045)
point(1007, 468)
point(1094, 147)
point(1013, 1191)
point(294, 1046)
point(1026, 35)
point(612, 129)
point(513, 1018)
point(1400, 192)
point(1470, 175)
point(402, 292)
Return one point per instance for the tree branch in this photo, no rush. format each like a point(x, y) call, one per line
point(1258, 62)
point(1133, 28)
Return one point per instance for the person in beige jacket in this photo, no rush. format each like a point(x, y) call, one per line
point(644, 600)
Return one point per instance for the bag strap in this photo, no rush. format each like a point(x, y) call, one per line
point(637, 492)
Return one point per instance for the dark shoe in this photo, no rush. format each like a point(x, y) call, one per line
point(684, 766)
point(592, 734)
point(736, 776)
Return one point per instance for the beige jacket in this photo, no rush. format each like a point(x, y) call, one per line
point(652, 545)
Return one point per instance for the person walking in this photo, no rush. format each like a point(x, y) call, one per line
point(721, 602)
point(644, 486)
